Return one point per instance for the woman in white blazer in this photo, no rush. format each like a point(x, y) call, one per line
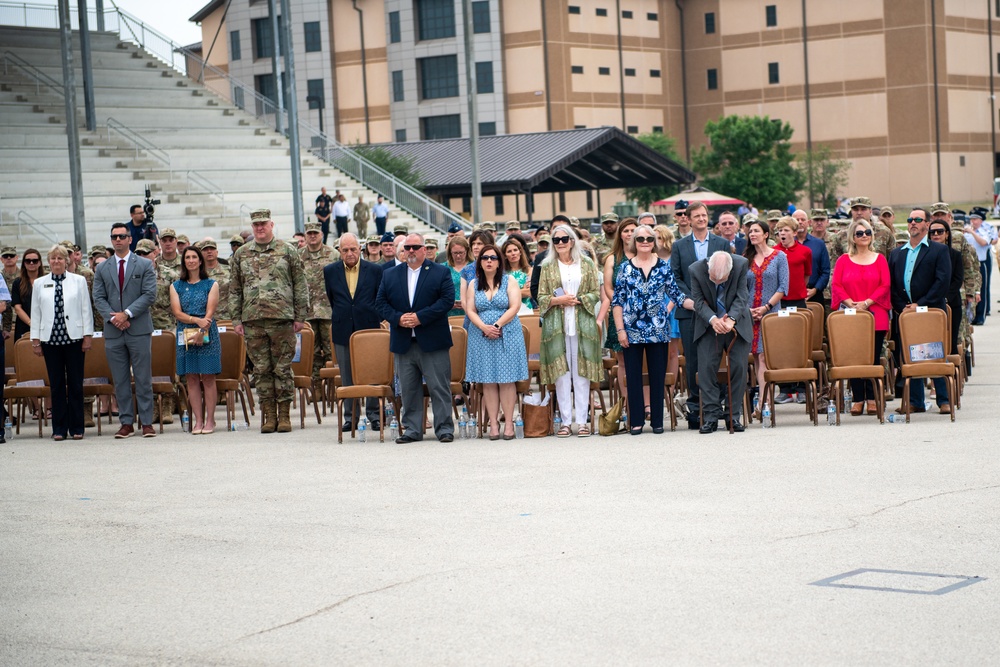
point(62, 327)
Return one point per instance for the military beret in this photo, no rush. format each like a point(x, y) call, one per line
point(940, 207)
point(818, 214)
point(260, 215)
point(388, 237)
point(609, 217)
point(9, 250)
point(774, 214)
point(314, 227)
point(168, 233)
point(861, 201)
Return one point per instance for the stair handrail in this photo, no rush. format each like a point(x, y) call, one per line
point(138, 141)
point(46, 231)
point(206, 184)
point(40, 77)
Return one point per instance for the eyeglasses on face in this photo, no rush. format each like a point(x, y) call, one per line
point(937, 231)
point(489, 258)
point(141, 253)
point(861, 233)
point(412, 247)
point(120, 237)
point(909, 220)
point(645, 239)
point(559, 240)
point(32, 260)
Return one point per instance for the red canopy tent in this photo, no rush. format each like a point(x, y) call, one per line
point(700, 194)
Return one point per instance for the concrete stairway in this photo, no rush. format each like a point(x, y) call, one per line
point(205, 139)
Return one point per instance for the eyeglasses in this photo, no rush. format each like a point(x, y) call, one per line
point(489, 258)
point(8, 256)
point(678, 214)
point(559, 240)
point(32, 261)
point(885, 215)
point(120, 237)
point(645, 239)
point(141, 254)
point(861, 233)
point(915, 219)
point(412, 247)
point(938, 232)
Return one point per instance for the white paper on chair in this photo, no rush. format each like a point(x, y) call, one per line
point(537, 399)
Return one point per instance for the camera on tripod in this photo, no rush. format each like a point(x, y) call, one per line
point(149, 206)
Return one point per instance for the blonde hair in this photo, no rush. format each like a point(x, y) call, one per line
point(786, 222)
point(666, 237)
point(852, 243)
point(58, 250)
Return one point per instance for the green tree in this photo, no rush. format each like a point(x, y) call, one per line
point(824, 175)
point(401, 166)
point(664, 145)
point(750, 157)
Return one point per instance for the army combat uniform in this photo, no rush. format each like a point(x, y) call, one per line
point(267, 294)
point(167, 271)
point(320, 311)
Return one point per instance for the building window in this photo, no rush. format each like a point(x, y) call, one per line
point(498, 205)
point(626, 14)
point(961, 160)
point(435, 19)
point(772, 73)
point(466, 204)
point(657, 129)
point(602, 12)
point(579, 127)
point(480, 17)
point(604, 71)
point(394, 35)
point(263, 39)
point(632, 129)
point(578, 69)
point(629, 71)
point(590, 200)
point(234, 45)
point(238, 98)
point(713, 79)
point(484, 77)
point(488, 129)
point(998, 57)
point(438, 77)
point(441, 127)
point(771, 15)
point(264, 85)
point(313, 41)
point(400, 136)
point(709, 23)
point(562, 202)
point(573, 9)
point(397, 86)
point(314, 91)
point(654, 73)
point(652, 16)
point(529, 202)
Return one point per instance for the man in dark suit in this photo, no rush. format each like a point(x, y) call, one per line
point(415, 299)
point(696, 246)
point(920, 274)
point(124, 289)
point(352, 286)
point(721, 317)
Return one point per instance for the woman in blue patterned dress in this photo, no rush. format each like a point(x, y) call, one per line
point(612, 264)
point(516, 265)
point(193, 300)
point(768, 283)
point(642, 290)
point(495, 354)
point(478, 240)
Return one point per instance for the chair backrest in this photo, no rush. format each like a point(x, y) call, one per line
point(303, 367)
point(29, 367)
point(95, 362)
point(164, 353)
point(947, 347)
point(371, 361)
point(234, 355)
point(923, 330)
point(533, 339)
point(8, 349)
point(852, 338)
point(459, 341)
point(787, 338)
point(456, 320)
point(819, 315)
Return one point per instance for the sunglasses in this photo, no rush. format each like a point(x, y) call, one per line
point(32, 261)
point(412, 247)
point(915, 219)
point(141, 254)
point(489, 258)
point(645, 239)
point(938, 232)
point(861, 233)
point(8, 256)
point(559, 240)
point(120, 237)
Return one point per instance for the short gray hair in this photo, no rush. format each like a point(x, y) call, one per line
point(713, 265)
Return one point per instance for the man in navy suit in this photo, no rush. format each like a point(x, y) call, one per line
point(415, 298)
point(920, 274)
point(696, 246)
point(352, 287)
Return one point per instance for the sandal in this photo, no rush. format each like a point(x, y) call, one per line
point(635, 430)
point(584, 432)
point(564, 432)
point(647, 413)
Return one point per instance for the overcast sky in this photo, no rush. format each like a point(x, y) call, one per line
point(169, 18)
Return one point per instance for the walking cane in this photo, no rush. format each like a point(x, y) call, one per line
point(729, 380)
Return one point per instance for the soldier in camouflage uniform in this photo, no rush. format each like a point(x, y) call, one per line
point(603, 242)
point(269, 304)
point(168, 269)
point(10, 272)
point(971, 278)
point(219, 273)
point(315, 257)
point(884, 239)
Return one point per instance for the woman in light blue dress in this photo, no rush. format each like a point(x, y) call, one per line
point(495, 354)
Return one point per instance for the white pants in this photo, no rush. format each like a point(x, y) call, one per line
point(572, 381)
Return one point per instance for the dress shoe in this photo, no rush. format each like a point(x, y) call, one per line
point(857, 409)
point(914, 409)
point(693, 425)
point(405, 440)
point(447, 437)
point(346, 428)
point(374, 425)
point(945, 409)
point(871, 407)
point(125, 431)
point(148, 432)
point(738, 426)
point(658, 430)
point(709, 427)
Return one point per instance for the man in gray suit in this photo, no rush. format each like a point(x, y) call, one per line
point(124, 289)
point(721, 319)
point(698, 245)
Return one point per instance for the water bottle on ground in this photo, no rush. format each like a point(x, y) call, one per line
point(472, 428)
point(895, 419)
point(928, 405)
point(556, 422)
point(8, 428)
point(185, 422)
point(363, 430)
point(463, 432)
point(765, 416)
point(393, 426)
point(519, 427)
point(848, 399)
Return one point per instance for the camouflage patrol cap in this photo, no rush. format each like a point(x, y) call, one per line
point(314, 227)
point(818, 214)
point(168, 233)
point(336, 243)
point(748, 218)
point(488, 226)
point(574, 222)
point(260, 215)
point(11, 251)
point(545, 238)
point(532, 246)
point(145, 245)
point(861, 201)
point(609, 217)
point(774, 214)
point(431, 243)
point(514, 225)
point(374, 240)
point(66, 244)
point(902, 237)
point(940, 207)
point(94, 250)
point(236, 239)
point(884, 210)
point(183, 239)
point(400, 229)
point(206, 243)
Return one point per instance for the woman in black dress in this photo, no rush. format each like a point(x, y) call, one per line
point(20, 291)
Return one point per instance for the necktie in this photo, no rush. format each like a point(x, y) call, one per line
point(720, 307)
point(121, 279)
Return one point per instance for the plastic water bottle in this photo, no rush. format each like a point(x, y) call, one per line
point(8, 428)
point(519, 427)
point(185, 422)
point(463, 432)
point(363, 430)
point(556, 422)
point(393, 427)
point(765, 416)
point(472, 428)
point(928, 405)
point(848, 399)
point(895, 419)
point(831, 413)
